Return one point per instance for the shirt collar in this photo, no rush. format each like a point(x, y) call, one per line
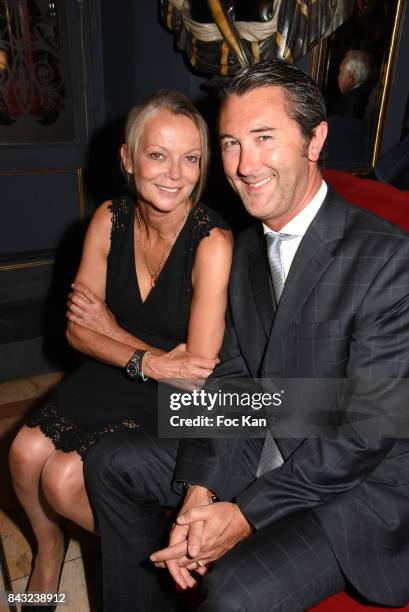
point(300, 223)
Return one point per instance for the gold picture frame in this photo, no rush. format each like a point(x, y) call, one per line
point(325, 59)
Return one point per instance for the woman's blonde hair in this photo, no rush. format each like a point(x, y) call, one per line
point(178, 104)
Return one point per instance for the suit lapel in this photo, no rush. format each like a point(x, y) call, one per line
point(260, 281)
point(312, 258)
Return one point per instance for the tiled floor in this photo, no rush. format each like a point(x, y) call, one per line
point(81, 574)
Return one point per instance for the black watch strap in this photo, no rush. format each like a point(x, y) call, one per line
point(134, 367)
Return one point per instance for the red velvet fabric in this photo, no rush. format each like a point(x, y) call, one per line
point(343, 603)
point(380, 198)
point(393, 205)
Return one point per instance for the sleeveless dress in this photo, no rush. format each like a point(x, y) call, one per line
point(98, 399)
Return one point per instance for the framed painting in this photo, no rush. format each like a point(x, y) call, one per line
point(35, 100)
point(354, 69)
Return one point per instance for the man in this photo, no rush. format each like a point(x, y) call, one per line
point(354, 83)
point(350, 137)
point(319, 289)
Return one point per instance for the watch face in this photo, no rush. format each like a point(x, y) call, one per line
point(131, 370)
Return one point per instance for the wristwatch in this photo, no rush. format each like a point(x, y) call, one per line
point(134, 367)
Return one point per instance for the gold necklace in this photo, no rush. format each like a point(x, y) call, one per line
point(154, 274)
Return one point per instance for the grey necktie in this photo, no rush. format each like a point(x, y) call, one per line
point(274, 241)
point(271, 457)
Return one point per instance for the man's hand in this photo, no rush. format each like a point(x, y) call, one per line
point(221, 527)
point(187, 538)
point(180, 575)
point(224, 527)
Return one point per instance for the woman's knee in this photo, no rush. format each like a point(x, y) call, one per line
point(28, 453)
point(62, 480)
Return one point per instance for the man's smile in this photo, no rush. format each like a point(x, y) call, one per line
point(253, 186)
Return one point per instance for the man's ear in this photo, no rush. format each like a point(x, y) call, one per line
point(317, 141)
point(126, 160)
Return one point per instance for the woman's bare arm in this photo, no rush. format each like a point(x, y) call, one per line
point(210, 281)
point(106, 341)
point(92, 328)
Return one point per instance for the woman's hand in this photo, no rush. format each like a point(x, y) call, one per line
point(89, 311)
point(179, 365)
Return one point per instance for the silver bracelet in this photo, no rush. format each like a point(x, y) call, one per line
point(141, 372)
point(133, 368)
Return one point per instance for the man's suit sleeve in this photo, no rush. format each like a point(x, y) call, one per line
point(205, 461)
point(322, 468)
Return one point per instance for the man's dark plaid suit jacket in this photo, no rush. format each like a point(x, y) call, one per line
point(344, 312)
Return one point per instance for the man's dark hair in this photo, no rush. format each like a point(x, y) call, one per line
point(305, 103)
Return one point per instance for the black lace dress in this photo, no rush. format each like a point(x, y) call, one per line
point(98, 399)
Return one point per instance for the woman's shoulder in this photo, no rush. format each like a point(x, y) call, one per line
point(115, 212)
point(205, 219)
point(208, 223)
point(119, 207)
point(111, 217)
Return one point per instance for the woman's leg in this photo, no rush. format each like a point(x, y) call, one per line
point(28, 455)
point(63, 485)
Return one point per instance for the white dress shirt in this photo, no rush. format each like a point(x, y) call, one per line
point(297, 227)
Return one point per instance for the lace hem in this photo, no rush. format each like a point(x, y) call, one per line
point(67, 436)
point(202, 224)
point(204, 219)
point(119, 209)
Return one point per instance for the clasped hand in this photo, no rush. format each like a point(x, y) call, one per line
point(202, 532)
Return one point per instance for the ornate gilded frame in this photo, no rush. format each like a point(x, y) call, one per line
point(319, 66)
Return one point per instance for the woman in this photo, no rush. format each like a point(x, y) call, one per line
point(153, 276)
